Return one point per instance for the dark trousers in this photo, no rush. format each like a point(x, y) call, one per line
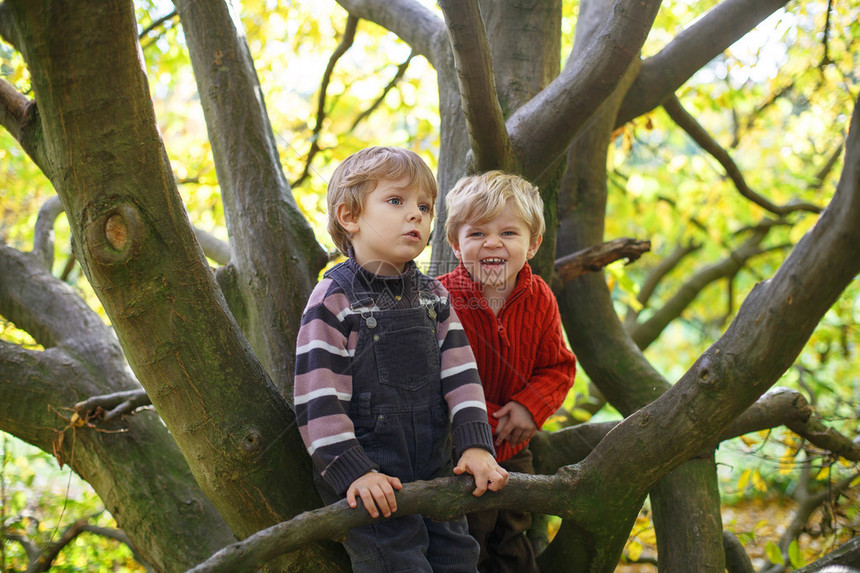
point(501, 533)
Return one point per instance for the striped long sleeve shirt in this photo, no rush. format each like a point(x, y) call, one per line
point(326, 346)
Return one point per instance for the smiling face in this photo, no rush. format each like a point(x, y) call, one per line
point(392, 228)
point(495, 251)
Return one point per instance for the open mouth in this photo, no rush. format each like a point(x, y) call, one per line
point(492, 262)
point(413, 234)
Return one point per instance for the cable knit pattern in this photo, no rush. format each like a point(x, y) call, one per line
point(521, 353)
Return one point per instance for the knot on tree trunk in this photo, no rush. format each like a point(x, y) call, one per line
point(116, 233)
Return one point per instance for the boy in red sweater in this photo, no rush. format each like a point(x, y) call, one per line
point(495, 225)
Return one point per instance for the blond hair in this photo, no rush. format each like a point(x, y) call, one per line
point(478, 199)
point(358, 174)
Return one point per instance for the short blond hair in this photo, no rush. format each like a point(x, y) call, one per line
point(477, 199)
point(358, 174)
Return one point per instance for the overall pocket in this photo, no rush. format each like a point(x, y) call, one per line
point(407, 357)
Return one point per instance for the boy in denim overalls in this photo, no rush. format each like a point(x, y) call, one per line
point(385, 380)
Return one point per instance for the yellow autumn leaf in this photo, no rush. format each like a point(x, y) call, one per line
point(744, 480)
point(823, 473)
point(758, 482)
point(748, 440)
point(634, 551)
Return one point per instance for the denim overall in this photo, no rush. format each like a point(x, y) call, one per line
point(401, 419)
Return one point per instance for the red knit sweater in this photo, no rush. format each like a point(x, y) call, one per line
point(521, 353)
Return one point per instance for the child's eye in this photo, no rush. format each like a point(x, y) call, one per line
point(424, 208)
point(476, 234)
point(509, 233)
point(395, 201)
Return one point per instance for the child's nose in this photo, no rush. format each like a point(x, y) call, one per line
point(491, 241)
point(415, 214)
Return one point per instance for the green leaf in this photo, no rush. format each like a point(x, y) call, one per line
point(795, 557)
point(774, 554)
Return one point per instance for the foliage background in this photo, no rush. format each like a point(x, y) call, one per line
point(663, 188)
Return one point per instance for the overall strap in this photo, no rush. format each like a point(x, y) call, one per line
point(346, 279)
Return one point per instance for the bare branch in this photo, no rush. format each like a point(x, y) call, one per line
point(758, 111)
point(31, 549)
point(689, 124)
point(491, 146)
point(827, 167)
point(595, 258)
point(694, 47)
point(643, 334)
point(825, 39)
point(43, 238)
point(663, 268)
point(808, 503)
point(155, 24)
point(401, 71)
point(340, 50)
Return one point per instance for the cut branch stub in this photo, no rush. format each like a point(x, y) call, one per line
point(115, 235)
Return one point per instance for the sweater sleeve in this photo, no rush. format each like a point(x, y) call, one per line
point(461, 385)
point(555, 365)
point(323, 389)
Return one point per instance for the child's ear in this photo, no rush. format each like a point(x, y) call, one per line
point(534, 247)
point(457, 252)
point(346, 218)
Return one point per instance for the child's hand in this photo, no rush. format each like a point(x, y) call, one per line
point(515, 424)
point(483, 466)
point(374, 489)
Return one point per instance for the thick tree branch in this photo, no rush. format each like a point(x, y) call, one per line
point(411, 21)
point(344, 45)
point(777, 407)
point(737, 560)
point(491, 147)
point(274, 282)
point(440, 499)
point(48, 309)
point(542, 129)
point(595, 258)
point(847, 555)
point(688, 123)
point(771, 328)
point(694, 47)
point(7, 27)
